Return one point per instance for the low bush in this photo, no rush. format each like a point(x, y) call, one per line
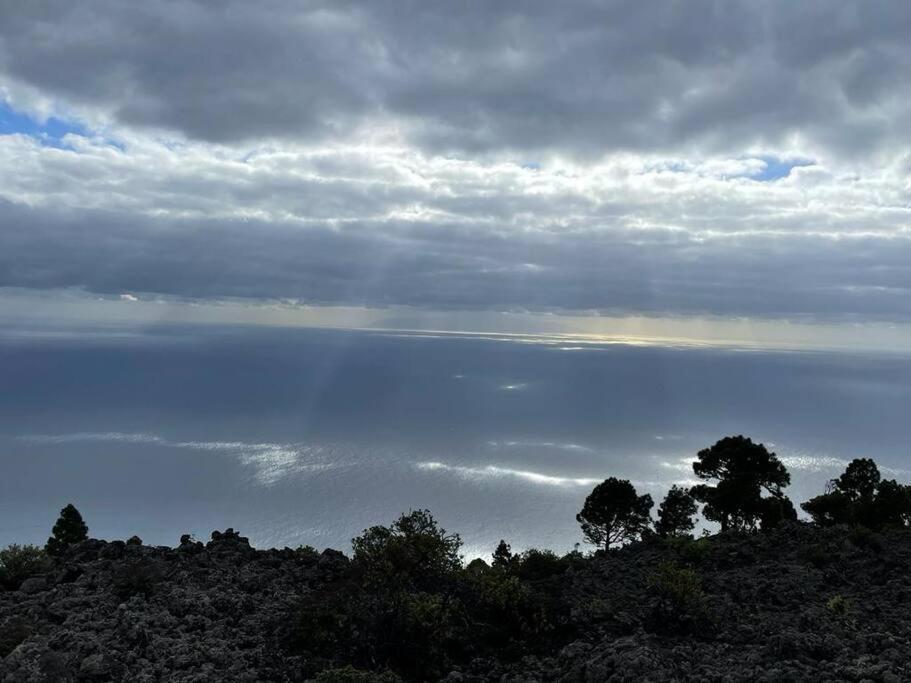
point(679, 604)
point(396, 607)
point(506, 613)
point(413, 633)
point(406, 605)
point(307, 552)
point(838, 606)
point(690, 550)
point(19, 562)
point(421, 634)
point(325, 622)
point(412, 553)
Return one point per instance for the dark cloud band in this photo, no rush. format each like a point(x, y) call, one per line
point(432, 266)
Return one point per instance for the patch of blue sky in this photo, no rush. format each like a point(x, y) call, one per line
point(773, 168)
point(776, 168)
point(50, 132)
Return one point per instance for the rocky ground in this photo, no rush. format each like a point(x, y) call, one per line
point(796, 603)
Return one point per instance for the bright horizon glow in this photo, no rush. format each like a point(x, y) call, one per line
point(67, 313)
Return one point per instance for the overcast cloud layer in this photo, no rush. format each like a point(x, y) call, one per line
point(728, 158)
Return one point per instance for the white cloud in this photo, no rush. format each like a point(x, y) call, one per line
point(379, 226)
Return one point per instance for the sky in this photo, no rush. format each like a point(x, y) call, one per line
point(693, 169)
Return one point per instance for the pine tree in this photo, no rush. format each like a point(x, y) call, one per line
point(675, 514)
point(69, 529)
point(502, 556)
point(614, 513)
point(742, 472)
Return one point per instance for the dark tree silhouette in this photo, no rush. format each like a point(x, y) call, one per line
point(893, 504)
point(675, 514)
point(414, 550)
point(830, 508)
point(69, 529)
point(614, 513)
point(502, 556)
point(861, 496)
point(860, 479)
point(743, 471)
point(776, 510)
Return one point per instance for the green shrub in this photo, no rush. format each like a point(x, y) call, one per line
point(398, 607)
point(19, 562)
point(420, 634)
point(325, 621)
point(690, 550)
point(406, 605)
point(412, 633)
point(413, 552)
point(838, 606)
point(307, 552)
point(680, 585)
point(506, 610)
point(679, 604)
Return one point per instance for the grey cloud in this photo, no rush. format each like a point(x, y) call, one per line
point(577, 78)
point(293, 206)
point(457, 266)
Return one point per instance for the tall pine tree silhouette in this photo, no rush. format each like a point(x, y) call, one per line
point(69, 529)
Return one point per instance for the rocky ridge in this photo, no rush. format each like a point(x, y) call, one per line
point(796, 603)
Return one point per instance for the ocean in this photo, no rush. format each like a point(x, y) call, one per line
point(307, 436)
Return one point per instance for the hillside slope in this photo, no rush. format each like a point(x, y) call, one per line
point(796, 603)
